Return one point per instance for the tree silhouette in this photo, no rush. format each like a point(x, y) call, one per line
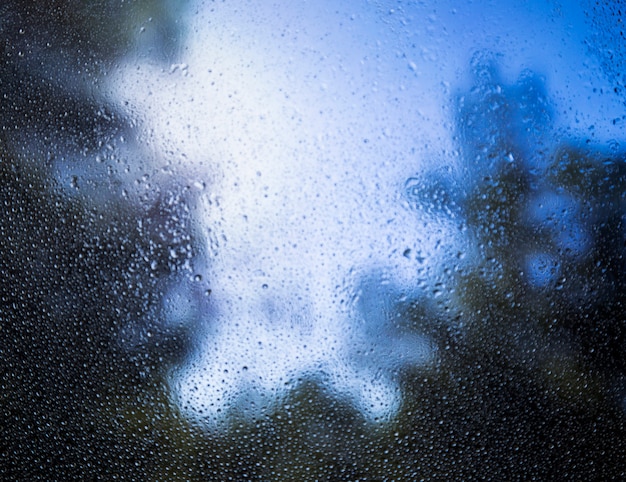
point(83, 268)
point(530, 379)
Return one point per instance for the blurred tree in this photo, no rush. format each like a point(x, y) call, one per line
point(531, 369)
point(83, 348)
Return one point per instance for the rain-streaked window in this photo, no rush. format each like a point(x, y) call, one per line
point(312, 240)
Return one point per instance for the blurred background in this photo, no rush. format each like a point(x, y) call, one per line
point(367, 241)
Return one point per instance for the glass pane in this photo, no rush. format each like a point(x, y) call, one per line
point(312, 241)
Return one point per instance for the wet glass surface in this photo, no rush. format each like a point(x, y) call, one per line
point(312, 241)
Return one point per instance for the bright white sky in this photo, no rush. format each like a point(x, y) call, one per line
point(306, 119)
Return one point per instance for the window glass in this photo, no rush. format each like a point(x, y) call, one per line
point(312, 240)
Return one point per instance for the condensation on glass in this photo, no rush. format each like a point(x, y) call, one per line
point(312, 241)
